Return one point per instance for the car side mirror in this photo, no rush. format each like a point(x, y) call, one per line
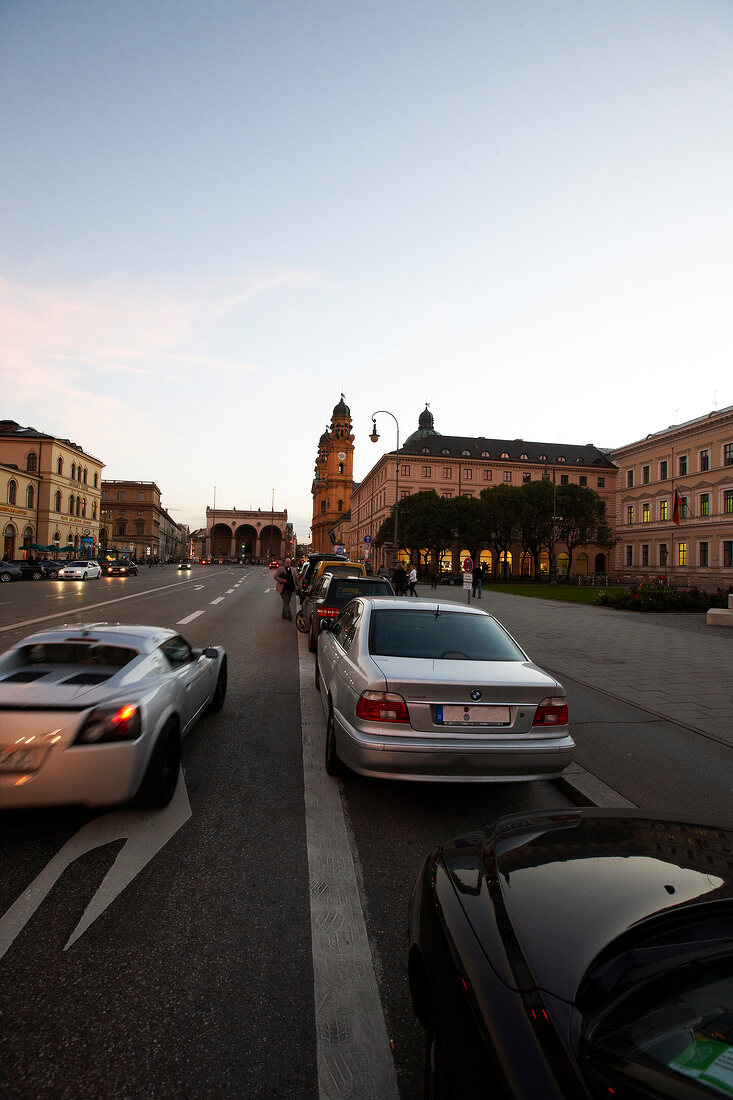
point(326, 624)
point(210, 652)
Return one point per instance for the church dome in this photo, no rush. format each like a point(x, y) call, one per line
point(325, 437)
point(342, 409)
point(425, 427)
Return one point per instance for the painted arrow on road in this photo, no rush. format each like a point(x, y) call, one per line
point(145, 833)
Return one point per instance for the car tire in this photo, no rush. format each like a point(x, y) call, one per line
point(301, 623)
point(83, 576)
point(312, 639)
point(53, 575)
point(333, 764)
point(161, 778)
point(5, 577)
point(436, 1084)
point(220, 691)
point(37, 575)
point(317, 676)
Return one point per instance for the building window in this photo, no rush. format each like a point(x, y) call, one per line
point(505, 454)
point(488, 474)
point(73, 471)
point(85, 475)
point(323, 507)
point(94, 509)
point(629, 555)
point(466, 454)
point(425, 451)
point(684, 510)
point(30, 497)
point(96, 480)
point(683, 465)
point(526, 478)
point(12, 492)
point(728, 552)
point(60, 466)
point(468, 474)
point(122, 528)
point(405, 471)
point(728, 454)
point(78, 506)
point(564, 479)
point(705, 504)
point(664, 509)
point(704, 460)
point(104, 494)
point(507, 475)
point(645, 475)
point(139, 526)
point(663, 554)
point(446, 493)
point(426, 471)
point(645, 512)
point(728, 502)
point(340, 506)
point(601, 483)
point(404, 493)
point(122, 495)
point(645, 553)
point(629, 479)
point(447, 472)
point(682, 554)
point(141, 496)
point(31, 462)
point(583, 479)
point(630, 513)
point(663, 470)
point(58, 500)
point(71, 504)
point(83, 506)
point(704, 554)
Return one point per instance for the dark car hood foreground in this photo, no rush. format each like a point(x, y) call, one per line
point(547, 892)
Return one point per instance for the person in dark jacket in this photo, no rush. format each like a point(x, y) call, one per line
point(476, 578)
point(399, 580)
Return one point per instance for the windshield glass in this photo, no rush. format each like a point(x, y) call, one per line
point(77, 653)
point(440, 635)
point(346, 590)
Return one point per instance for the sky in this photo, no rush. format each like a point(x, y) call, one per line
point(216, 217)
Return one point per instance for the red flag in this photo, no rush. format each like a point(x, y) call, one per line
point(676, 509)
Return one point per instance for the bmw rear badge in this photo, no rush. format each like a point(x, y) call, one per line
point(475, 694)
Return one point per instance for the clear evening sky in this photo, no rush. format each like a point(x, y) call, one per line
point(216, 217)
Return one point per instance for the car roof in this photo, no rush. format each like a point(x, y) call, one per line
point(422, 603)
point(145, 638)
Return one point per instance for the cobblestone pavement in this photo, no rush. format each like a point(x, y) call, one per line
point(672, 665)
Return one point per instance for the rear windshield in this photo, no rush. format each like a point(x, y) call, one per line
point(77, 653)
point(342, 570)
point(343, 589)
point(443, 635)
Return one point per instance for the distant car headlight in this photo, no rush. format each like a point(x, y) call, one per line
point(110, 724)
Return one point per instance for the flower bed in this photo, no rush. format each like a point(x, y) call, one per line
point(658, 595)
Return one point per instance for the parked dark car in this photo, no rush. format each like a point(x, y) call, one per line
point(330, 593)
point(9, 572)
point(451, 578)
point(33, 570)
point(306, 575)
point(577, 954)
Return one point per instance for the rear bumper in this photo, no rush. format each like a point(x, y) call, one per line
point(92, 775)
point(483, 760)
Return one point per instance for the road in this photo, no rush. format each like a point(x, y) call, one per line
point(211, 967)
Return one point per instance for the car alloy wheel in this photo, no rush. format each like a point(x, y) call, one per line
point(5, 577)
point(37, 575)
point(333, 764)
point(301, 623)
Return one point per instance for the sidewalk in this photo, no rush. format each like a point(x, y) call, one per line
point(672, 665)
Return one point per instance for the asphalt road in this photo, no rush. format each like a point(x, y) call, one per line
point(201, 977)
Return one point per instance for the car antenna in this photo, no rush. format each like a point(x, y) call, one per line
point(437, 610)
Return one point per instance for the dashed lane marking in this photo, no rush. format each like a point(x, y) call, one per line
point(189, 618)
point(217, 600)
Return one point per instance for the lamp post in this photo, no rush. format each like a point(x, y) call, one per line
point(213, 527)
point(374, 438)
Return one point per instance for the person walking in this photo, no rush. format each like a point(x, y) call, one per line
point(383, 571)
point(399, 579)
point(412, 580)
point(476, 578)
point(286, 584)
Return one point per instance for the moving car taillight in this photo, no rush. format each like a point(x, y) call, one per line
point(327, 612)
point(116, 723)
point(551, 712)
point(382, 706)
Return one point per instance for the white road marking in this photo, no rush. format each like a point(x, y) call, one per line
point(198, 587)
point(218, 600)
point(353, 1053)
point(145, 833)
point(229, 591)
point(189, 618)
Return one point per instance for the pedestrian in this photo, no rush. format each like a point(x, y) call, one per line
point(476, 578)
point(383, 571)
point(433, 579)
point(399, 579)
point(412, 580)
point(286, 583)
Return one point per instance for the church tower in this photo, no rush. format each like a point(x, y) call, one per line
point(334, 478)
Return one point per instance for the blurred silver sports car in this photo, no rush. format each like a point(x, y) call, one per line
point(95, 714)
point(430, 690)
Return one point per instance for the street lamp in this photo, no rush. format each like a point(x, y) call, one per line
point(375, 438)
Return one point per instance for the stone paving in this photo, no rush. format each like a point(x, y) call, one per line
point(672, 665)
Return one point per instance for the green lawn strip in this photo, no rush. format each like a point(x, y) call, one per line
point(565, 592)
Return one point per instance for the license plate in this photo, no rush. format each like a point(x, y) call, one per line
point(472, 716)
point(20, 760)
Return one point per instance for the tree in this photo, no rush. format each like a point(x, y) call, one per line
point(535, 519)
point(582, 518)
point(501, 511)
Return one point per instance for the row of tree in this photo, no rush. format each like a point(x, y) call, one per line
point(537, 515)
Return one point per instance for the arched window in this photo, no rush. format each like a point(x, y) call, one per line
point(12, 492)
point(85, 475)
point(505, 454)
point(466, 454)
point(340, 506)
point(96, 481)
point(58, 500)
point(31, 462)
point(30, 497)
point(60, 465)
point(28, 536)
point(122, 528)
point(486, 454)
point(73, 471)
point(560, 458)
point(94, 509)
point(83, 506)
point(71, 504)
point(78, 506)
point(57, 538)
point(445, 451)
point(323, 507)
point(78, 472)
point(524, 457)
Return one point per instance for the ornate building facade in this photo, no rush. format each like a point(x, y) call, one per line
point(333, 483)
point(235, 535)
point(135, 523)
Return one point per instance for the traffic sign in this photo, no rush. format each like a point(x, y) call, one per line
point(367, 539)
point(467, 565)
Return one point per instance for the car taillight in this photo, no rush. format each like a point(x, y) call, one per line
point(327, 612)
point(382, 706)
point(551, 712)
point(110, 724)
